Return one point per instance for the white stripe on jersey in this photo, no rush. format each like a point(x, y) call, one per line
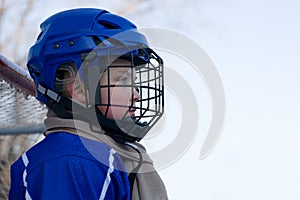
point(109, 171)
point(25, 162)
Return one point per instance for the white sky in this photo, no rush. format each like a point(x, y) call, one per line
point(255, 46)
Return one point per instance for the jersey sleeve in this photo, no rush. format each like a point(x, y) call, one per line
point(16, 181)
point(74, 177)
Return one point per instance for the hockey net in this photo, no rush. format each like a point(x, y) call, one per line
point(21, 118)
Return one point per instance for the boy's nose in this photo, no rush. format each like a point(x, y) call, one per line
point(136, 95)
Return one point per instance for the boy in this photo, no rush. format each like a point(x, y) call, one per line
point(103, 86)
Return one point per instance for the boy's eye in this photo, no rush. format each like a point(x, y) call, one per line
point(123, 80)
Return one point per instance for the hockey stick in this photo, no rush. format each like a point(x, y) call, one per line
point(16, 76)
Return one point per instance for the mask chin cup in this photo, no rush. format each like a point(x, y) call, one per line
point(125, 130)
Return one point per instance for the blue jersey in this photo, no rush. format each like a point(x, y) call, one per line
point(66, 166)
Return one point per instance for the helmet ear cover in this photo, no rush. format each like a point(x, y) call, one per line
point(65, 74)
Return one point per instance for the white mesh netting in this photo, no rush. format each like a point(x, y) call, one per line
point(21, 119)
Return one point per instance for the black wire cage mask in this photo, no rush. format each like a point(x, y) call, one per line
point(124, 90)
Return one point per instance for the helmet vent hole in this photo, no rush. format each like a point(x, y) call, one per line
point(98, 41)
point(35, 72)
point(108, 25)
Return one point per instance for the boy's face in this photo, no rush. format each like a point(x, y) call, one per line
point(121, 98)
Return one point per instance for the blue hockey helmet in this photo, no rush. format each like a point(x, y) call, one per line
point(67, 35)
point(70, 37)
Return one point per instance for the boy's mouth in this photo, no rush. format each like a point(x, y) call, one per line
point(132, 112)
